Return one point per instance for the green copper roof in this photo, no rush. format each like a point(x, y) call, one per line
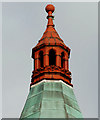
point(51, 100)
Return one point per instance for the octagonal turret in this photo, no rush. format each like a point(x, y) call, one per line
point(51, 55)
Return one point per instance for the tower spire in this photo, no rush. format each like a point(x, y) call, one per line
point(50, 9)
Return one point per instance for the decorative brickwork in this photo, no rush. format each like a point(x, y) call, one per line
point(51, 73)
point(51, 55)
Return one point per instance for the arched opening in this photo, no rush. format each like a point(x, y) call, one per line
point(34, 64)
point(62, 60)
point(52, 57)
point(41, 58)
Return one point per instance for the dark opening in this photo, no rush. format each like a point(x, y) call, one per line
point(62, 59)
point(52, 57)
point(34, 64)
point(41, 58)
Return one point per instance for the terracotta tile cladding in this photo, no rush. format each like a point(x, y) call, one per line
point(44, 68)
point(50, 36)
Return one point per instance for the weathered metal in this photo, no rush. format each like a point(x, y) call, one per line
point(51, 100)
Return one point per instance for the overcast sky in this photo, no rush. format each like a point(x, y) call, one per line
point(23, 26)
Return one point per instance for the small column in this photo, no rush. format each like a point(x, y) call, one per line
point(46, 59)
point(36, 61)
point(66, 64)
point(37, 64)
point(58, 60)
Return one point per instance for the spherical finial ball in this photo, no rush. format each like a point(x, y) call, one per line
point(50, 7)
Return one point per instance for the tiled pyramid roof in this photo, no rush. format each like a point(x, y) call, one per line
point(50, 36)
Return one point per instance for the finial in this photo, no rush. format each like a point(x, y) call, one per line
point(50, 9)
